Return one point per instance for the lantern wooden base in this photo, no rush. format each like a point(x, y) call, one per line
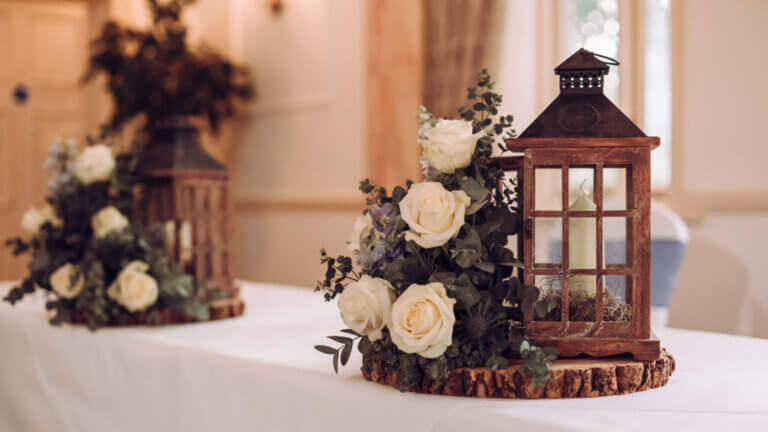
point(569, 378)
point(641, 349)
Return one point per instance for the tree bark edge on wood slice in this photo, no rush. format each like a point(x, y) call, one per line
point(218, 309)
point(569, 378)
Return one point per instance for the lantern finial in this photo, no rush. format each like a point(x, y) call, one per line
point(583, 72)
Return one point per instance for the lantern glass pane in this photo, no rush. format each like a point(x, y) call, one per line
point(616, 298)
point(581, 182)
point(548, 307)
point(169, 238)
point(615, 188)
point(188, 198)
point(209, 266)
point(615, 241)
point(548, 240)
point(548, 189)
point(217, 267)
point(582, 243)
point(581, 297)
point(203, 231)
point(217, 230)
point(185, 236)
point(216, 198)
point(202, 193)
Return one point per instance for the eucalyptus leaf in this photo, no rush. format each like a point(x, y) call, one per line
point(465, 291)
point(486, 266)
point(340, 339)
point(345, 353)
point(325, 349)
point(468, 250)
point(479, 195)
point(350, 331)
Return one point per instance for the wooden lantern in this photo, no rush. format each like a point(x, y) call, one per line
point(188, 192)
point(582, 130)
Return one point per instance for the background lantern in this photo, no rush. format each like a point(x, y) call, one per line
point(583, 135)
point(188, 192)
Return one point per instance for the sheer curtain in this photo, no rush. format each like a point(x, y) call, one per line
point(459, 40)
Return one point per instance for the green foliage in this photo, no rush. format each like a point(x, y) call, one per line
point(475, 267)
point(337, 271)
point(343, 352)
point(155, 75)
point(537, 362)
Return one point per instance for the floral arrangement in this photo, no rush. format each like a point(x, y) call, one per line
point(155, 75)
point(436, 288)
point(96, 265)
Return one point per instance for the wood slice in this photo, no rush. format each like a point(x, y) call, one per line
point(219, 309)
point(569, 378)
point(228, 308)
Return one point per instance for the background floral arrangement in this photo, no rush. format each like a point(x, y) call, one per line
point(154, 73)
point(97, 266)
point(436, 288)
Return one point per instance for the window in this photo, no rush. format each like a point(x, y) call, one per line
point(594, 25)
point(657, 100)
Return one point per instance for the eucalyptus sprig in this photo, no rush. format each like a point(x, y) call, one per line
point(343, 352)
point(537, 362)
point(338, 271)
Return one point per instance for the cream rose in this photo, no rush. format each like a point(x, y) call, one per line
point(422, 320)
point(434, 215)
point(61, 282)
point(134, 289)
point(94, 164)
point(361, 228)
point(35, 218)
point(449, 145)
point(365, 305)
point(107, 220)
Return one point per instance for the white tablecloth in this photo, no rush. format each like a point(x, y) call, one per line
point(259, 372)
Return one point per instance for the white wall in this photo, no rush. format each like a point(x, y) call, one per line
point(721, 110)
point(303, 141)
point(724, 99)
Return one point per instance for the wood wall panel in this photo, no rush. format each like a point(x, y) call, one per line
point(395, 74)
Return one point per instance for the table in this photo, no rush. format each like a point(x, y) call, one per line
point(259, 372)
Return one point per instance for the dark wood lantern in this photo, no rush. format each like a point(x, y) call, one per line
point(188, 192)
point(582, 131)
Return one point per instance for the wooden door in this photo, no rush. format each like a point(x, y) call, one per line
point(43, 50)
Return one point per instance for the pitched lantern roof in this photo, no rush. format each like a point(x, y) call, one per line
point(581, 110)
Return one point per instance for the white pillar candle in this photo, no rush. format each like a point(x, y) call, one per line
point(582, 250)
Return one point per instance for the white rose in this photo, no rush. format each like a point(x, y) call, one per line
point(107, 220)
point(134, 289)
point(365, 305)
point(361, 228)
point(434, 215)
point(422, 320)
point(61, 282)
point(450, 145)
point(35, 218)
point(94, 164)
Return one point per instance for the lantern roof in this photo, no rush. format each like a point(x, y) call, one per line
point(584, 60)
point(581, 110)
point(174, 149)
